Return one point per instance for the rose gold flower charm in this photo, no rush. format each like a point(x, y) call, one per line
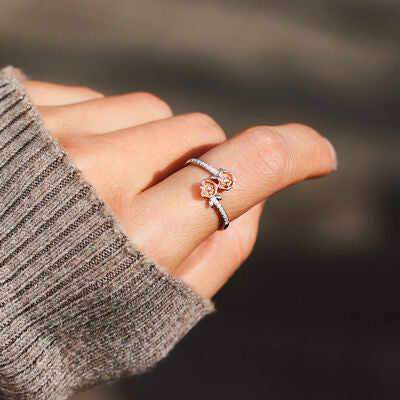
point(226, 179)
point(209, 187)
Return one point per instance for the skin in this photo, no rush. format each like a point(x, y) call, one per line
point(133, 150)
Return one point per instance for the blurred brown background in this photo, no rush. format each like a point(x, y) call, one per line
point(327, 326)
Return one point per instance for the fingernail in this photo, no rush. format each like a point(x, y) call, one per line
point(333, 153)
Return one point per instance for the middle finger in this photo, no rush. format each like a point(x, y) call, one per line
point(123, 163)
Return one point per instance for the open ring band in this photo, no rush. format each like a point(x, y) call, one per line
point(221, 179)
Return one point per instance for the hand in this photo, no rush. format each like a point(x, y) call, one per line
point(132, 150)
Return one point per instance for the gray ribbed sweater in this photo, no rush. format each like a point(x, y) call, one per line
point(79, 303)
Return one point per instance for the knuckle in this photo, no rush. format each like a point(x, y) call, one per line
point(207, 124)
point(298, 126)
point(159, 106)
point(270, 151)
point(303, 129)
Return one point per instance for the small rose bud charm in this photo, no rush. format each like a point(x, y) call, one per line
point(208, 188)
point(226, 180)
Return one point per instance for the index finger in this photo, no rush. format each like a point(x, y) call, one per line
point(264, 161)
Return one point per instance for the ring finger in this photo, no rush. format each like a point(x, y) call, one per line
point(141, 156)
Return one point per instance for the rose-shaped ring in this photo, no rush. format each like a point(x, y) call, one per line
point(209, 188)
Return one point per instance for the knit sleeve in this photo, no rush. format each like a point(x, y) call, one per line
point(79, 303)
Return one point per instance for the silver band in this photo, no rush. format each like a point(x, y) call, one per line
point(195, 161)
point(212, 193)
point(221, 210)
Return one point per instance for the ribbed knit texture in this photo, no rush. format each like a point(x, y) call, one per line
point(79, 303)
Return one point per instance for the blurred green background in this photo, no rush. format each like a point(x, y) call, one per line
point(314, 313)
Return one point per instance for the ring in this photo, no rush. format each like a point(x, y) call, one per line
point(209, 188)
